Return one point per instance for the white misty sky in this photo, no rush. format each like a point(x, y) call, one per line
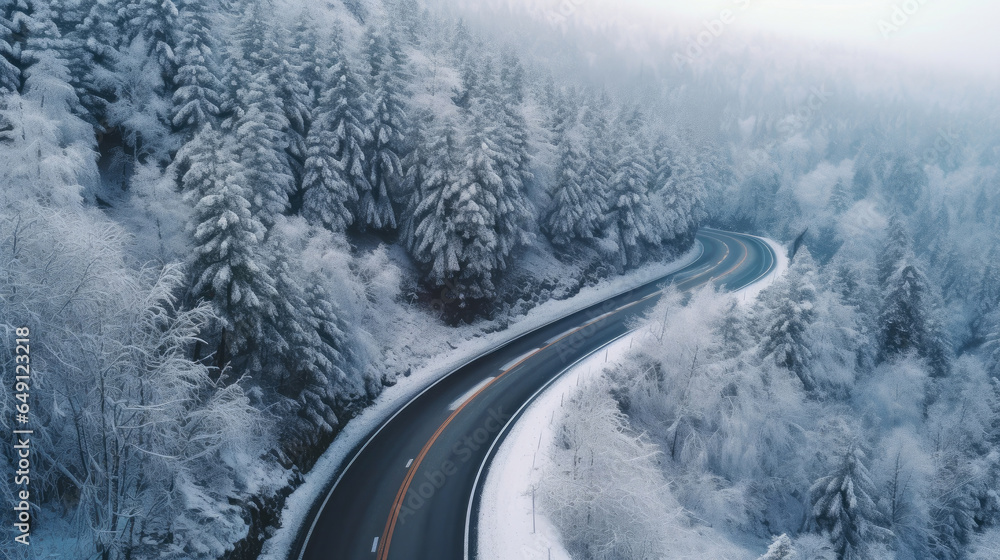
point(957, 34)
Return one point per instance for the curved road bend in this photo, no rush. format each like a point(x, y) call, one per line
point(406, 493)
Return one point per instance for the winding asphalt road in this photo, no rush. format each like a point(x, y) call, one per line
point(410, 491)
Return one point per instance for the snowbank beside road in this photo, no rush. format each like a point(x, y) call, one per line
point(510, 526)
point(780, 267)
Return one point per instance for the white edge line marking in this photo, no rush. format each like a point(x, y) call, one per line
point(494, 348)
point(520, 358)
point(375, 545)
point(468, 395)
point(408, 463)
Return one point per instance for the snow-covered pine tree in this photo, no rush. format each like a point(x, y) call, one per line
point(663, 164)
point(199, 89)
point(870, 168)
point(492, 191)
point(416, 167)
point(348, 118)
point(388, 87)
point(905, 182)
point(753, 209)
point(732, 332)
point(572, 216)
point(407, 19)
point(630, 213)
point(234, 76)
point(786, 311)
point(47, 150)
point(678, 191)
point(295, 97)
point(954, 505)
point(324, 368)
point(10, 49)
point(438, 243)
point(256, 119)
point(993, 432)
point(273, 355)
point(548, 96)
point(908, 320)
point(255, 44)
point(155, 24)
point(844, 506)
point(312, 52)
point(513, 136)
point(260, 143)
point(262, 74)
point(563, 113)
point(512, 78)
point(781, 549)
point(469, 84)
point(478, 219)
point(123, 64)
point(307, 359)
point(96, 41)
point(226, 263)
point(328, 195)
point(894, 249)
point(933, 233)
point(841, 198)
point(27, 34)
point(855, 286)
point(598, 171)
point(334, 173)
point(454, 237)
point(461, 42)
point(137, 79)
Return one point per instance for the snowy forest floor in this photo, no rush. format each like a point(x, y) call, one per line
point(510, 526)
point(444, 350)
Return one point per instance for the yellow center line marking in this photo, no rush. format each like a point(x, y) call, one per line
point(746, 254)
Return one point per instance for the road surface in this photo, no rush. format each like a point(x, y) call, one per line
point(411, 489)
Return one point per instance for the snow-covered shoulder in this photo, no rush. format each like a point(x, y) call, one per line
point(512, 524)
point(780, 267)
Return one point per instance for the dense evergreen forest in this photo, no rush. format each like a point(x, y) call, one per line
point(212, 211)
